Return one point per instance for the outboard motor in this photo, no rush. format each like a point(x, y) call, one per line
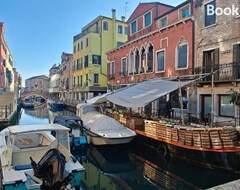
point(50, 169)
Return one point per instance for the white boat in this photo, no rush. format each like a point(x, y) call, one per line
point(37, 157)
point(102, 129)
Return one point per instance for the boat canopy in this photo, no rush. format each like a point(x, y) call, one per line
point(16, 129)
point(141, 94)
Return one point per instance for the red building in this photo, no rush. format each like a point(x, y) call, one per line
point(160, 44)
point(3, 49)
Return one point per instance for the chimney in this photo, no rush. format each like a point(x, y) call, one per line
point(123, 18)
point(114, 14)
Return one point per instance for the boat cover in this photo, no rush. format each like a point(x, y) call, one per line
point(98, 122)
point(141, 94)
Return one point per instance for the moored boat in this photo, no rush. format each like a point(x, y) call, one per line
point(28, 103)
point(102, 129)
point(75, 124)
point(37, 157)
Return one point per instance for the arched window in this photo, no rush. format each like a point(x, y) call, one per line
point(143, 60)
point(150, 59)
point(137, 60)
point(131, 63)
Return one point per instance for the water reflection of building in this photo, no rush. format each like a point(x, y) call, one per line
point(40, 113)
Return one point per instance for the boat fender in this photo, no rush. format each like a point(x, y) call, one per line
point(162, 150)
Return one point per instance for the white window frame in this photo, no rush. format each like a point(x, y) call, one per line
point(176, 56)
point(111, 63)
point(136, 27)
point(144, 19)
point(181, 9)
point(156, 65)
point(160, 22)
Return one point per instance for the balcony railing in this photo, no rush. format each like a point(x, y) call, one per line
point(112, 76)
point(222, 72)
point(123, 73)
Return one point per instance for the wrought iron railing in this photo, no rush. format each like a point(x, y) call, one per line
point(222, 72)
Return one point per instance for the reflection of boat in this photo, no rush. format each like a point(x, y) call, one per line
point(110, 160)
point(170, 173)
point(74, 123)
point(102, 129)
point(24, 145)
point(28, 103)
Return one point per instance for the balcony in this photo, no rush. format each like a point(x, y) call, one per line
point(223, 72)
point(123, 74)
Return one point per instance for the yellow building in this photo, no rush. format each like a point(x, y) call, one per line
point(90, 60)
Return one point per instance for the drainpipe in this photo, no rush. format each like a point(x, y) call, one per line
point(113, 28)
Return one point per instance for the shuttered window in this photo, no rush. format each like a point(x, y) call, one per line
point(182, 52)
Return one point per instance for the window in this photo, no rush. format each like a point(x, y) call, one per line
point(78, 64)
point(86, 61)
point(81, 80)
point(147, 19)
point(160, 61)
point(105, 25)
point(78, 81)
point(134, 27)
point(86, 79)
point(86, 42)
point(96, 59)
point(126, 30)
point(81, 45)
point(112, 70)
point(163, 22)
point(78, 47)
point(119, 44)
point(74, 49)
point(182, 53)
point(225, 108)
point(185, 12)
point(96, 78)
point(124, 67)
point(120, 29)
point(210, 19)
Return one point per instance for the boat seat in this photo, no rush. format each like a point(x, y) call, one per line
point(23, 167)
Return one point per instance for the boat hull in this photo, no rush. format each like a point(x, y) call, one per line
point(57, 106)
point(95, 139)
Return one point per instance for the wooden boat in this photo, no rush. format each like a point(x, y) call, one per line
point(102, 129)
point(215, 148)
point(74, 123)
point(37, 157)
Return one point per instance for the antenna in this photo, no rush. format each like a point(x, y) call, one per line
point(125, 8)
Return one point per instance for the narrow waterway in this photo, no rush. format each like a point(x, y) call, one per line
point(134, 166)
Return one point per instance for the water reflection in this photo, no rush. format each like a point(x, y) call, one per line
point(133, 166)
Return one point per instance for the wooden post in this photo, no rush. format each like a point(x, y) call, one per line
point(6, 111)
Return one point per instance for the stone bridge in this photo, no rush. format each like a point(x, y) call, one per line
point(34, 93)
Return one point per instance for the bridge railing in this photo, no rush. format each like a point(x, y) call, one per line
point(6, 111)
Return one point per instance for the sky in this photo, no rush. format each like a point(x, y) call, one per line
point(38, 31)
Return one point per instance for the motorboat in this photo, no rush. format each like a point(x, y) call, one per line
point(102, 129)
point(38, 156)
point(75, 124)
point(28, 103)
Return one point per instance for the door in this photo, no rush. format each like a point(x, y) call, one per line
point(206, 107)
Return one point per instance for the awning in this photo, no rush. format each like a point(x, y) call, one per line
point(141, 94)
point(98, 99)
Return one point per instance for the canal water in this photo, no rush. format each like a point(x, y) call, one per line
point(134, 166)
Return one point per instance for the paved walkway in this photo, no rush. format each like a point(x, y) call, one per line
point(234, 185)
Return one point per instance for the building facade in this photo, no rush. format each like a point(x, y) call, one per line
point(217, 44)
point(6, 64)
point(66, 76)
point(37, 84)
point(89, 54)
point(160, 44)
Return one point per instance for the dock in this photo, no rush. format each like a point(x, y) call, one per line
point(8, 109)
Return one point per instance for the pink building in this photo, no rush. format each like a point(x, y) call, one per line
point(3, 50)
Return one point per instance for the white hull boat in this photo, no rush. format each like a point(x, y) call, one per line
point(37, 157)
point(102, 129)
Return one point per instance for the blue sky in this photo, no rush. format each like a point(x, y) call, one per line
point(38, 31)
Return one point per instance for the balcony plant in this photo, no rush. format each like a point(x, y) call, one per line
point(235, 99)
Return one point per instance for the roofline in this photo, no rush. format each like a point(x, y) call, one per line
point(39, 76)
point(156, 3)
point(174, 9)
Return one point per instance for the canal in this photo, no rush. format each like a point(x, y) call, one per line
point(135, 166)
